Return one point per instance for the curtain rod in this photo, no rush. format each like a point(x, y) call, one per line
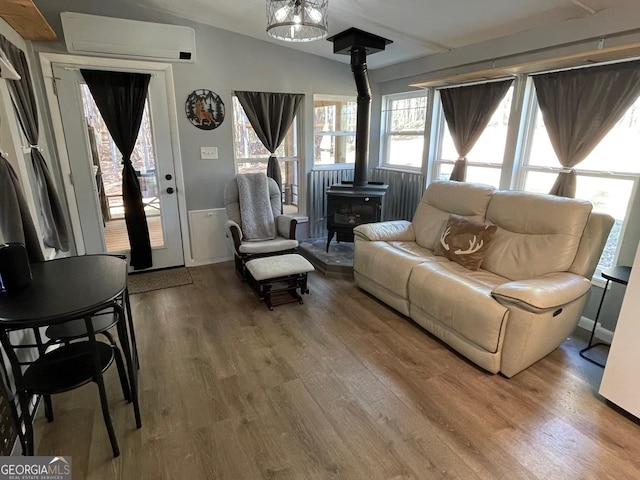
point(77, 69)
point(478, 82)
point(586, 65)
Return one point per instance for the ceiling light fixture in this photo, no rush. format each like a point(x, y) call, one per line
point(297, 20)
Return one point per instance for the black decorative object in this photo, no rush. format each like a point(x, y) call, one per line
point(204, 109)
point(15, 272)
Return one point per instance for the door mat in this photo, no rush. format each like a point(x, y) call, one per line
point(159, 279)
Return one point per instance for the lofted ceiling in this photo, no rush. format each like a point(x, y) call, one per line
point(417, 27)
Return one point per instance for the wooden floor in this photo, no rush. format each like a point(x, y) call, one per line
point(340, 387)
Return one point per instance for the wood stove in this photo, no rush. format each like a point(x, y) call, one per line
point(351, 204)
point(348, 207)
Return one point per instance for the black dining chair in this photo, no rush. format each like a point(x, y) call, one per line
point(70, 365)
point(103, 321)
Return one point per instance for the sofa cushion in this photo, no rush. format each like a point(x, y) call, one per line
point(443, 198)
point(413, 248)
point(389, 266)
point(461, 300)
point(537, 234)
point(465, 241)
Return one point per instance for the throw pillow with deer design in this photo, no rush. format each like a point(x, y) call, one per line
point(465, 241)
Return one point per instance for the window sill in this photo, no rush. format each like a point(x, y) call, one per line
point(403, 169)
point(597, 280)
point(334, 166)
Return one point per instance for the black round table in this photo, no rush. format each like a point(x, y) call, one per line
point(64, 288)
point(67, 289)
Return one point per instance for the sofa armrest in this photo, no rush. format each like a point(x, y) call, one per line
point(286, 226)
point(542, 293)
point(396, 230)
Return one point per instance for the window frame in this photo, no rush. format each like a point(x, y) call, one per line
point(297, 142)
point(332, 133)
point(523, 167)
point(387, 134)
point(515, 167)
point(440, 120)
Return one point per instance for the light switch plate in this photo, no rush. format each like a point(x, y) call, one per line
point(209, 153)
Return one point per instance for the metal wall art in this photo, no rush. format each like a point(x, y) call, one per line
point(204, 109)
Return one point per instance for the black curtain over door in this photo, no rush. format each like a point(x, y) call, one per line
point(120, 97)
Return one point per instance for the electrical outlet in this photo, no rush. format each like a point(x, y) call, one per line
point(209, 153)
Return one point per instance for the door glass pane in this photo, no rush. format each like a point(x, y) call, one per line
point(107, 166)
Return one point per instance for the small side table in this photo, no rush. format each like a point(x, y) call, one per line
point(619, 275)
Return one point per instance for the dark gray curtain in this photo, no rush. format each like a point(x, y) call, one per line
point(467, 111)
point(16, 224)
point(120, 97)
point(271, 116)
point(56, 232)
point(579, 107)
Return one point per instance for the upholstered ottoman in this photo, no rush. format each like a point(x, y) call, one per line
point(276, 279)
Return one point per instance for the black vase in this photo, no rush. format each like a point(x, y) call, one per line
point(15, 272)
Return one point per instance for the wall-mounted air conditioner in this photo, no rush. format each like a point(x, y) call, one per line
point(117, 37)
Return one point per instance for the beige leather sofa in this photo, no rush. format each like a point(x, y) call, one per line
point(528, 294)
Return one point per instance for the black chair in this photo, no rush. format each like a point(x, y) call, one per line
point(104, 320)
point(78, 359)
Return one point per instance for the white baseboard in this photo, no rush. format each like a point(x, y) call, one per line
point(601, 333)
point(199, 263)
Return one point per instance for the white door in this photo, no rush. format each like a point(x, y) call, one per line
point(96, 168)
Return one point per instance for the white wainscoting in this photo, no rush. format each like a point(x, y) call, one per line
point(208, 237)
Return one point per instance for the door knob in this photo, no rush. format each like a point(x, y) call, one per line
point(170, 190)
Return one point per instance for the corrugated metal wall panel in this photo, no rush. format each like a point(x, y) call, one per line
point(404, 194)
point(319, 181)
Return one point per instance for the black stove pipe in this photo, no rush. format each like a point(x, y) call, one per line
point(363, 120)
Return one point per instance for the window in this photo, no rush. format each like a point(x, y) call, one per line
point(334, 131)
point(486, 156)
point(251, 155)
point(607, 177)
point(404, 119)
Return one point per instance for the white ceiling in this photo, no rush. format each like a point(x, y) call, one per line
point(417, 27)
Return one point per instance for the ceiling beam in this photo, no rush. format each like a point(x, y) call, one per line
point(25, 18)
